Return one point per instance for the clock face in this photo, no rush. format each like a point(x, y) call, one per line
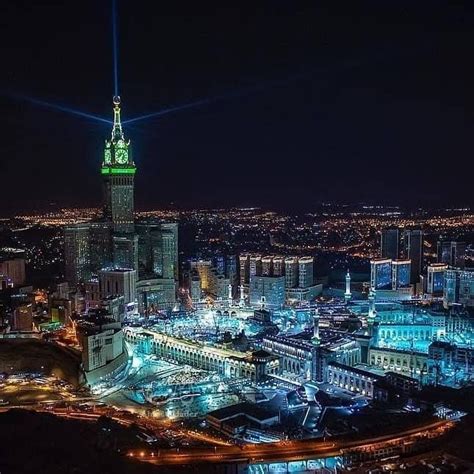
point(121, 156)
point(107, 156)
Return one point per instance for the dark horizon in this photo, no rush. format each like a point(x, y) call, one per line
point(296, 104)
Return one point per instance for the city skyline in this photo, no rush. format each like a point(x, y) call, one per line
point(252, 122)
point(278, 275)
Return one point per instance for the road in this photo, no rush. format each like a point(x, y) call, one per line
point(152, 424)
point(223, 452)
point(287, 451)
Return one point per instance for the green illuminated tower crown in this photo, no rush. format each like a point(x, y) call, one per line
point(117, 152)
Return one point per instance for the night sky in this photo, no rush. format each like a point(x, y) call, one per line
point(371, 102)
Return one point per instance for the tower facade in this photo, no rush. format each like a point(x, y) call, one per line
point(413, 240)
point(390, 243)
point(452, 253)
point(118, 172)
point(77, 253)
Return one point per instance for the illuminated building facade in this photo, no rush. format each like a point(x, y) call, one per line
point(244, 269)
point(295, 355)
point(267, 291)
point(195, 287)
point(452, 253)
point(157, 249)
point(405, 332)
point(278, 266)
point(435, 278)
point(211, 277)
point(458, 288)
point(255, 266)
point(401, 274)
point(301, 358)
point(305, 272)
point(296, 271)
point(118, 282)
point(125, 251)
point(156, 294)
point(267, 266)
point(101, 345)
point(291, 272)
point(408, 362)
point(354, 379)
point(253, 366)
point(381, 274)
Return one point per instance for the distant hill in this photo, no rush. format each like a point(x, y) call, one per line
point(34, 355)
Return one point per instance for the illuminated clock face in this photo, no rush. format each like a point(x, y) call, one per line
point(107, 156)
point(121, 156)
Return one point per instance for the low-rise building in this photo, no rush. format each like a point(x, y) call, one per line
point(235, 419)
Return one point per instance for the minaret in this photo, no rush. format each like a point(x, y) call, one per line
point(242, 296)
point(316, 374)
point(229, 295)
point(315, 340)
point(348, 294)
point(372, 319)
point(372, 311)
point(118, 170)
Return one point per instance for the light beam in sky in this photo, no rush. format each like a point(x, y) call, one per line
point(209, 100)
point(60, 108)
point(115, 46)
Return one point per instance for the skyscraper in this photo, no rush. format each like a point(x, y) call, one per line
point(76, 253)
point(413, 249)
point(100, 244)
point(157, 249)
point(452, 253)
point(255, 268)
point(278, 266)
point(267, 265)
point(244, 269)
point(390, 243)
point(291, 272)
point(305, 272)
point(169, 250)
point(118, 171)
point(231, 269)
point(115, 242)
point(125, 248)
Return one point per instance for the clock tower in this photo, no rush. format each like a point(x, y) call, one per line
point(118, 171)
